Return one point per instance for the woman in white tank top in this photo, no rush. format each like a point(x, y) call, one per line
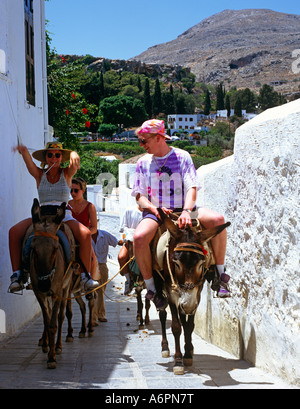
point(54, 188)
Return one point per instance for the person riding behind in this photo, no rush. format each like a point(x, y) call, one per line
point(85, 213)
point(53, 187)
point(129, 223)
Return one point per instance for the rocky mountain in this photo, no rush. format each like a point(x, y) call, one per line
point(243, 48)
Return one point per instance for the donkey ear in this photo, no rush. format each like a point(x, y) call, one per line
point(169, 224)
point(61, 212)
point(35, 212)
point(206, 235)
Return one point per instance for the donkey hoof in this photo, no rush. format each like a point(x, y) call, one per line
point(188, 361)
point(165, 354)
point(51, 365)
point(91, 334)
point(45, 350)
point(141, 326)
point(178, 370)
point(58, 351)
point(69, 339)
point(81, 334)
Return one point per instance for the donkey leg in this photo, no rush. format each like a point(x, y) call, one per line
point(52, 330)
point(188, 328)
point(147, 318)
point(69, 315)
point(176, 330)
point(165, 351)
point(139, 316)
point(44, 341)
point(61, 317)
point(91, 311)
point(83, 319)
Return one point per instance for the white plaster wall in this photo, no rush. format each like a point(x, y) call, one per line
point(18, 188)
point(257, 190)
point(126, 180)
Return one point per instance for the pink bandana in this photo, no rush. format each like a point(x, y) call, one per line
point(154, 126)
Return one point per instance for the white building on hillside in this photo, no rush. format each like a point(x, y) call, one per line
point(23, 119)
point(185, 122)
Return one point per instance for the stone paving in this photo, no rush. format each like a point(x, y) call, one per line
point(121, 356)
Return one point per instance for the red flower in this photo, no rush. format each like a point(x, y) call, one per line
point(87, 124)
point(84, 110)
point(73, 96)
point(68, 112)
point(63, 59)
point(204, 251)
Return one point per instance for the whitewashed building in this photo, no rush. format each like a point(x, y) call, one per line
point(23, 119)
point(185, 122)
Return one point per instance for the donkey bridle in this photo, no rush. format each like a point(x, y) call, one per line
point(191, 247)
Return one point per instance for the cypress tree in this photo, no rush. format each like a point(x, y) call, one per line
point(220, 97)
point(227, 105)
point(238, 107)
point(207, 103)
point(147, 98)
point(101, 87)
point(157, 102)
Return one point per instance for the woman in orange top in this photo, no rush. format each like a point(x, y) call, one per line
point(84, 212)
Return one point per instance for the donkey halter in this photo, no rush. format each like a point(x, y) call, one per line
point(183, 247)
point(191, 247)
point(46, 234)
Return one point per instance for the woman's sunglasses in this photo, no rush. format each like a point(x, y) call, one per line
point(50, 155)
point(75, 190)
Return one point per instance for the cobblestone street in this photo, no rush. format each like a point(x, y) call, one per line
point(120, 356)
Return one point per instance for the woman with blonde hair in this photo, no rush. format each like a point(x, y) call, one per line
point(53, 185)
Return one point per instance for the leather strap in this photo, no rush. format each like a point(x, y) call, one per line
point(46, 234)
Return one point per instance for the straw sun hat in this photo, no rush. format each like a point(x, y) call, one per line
point(40, 155)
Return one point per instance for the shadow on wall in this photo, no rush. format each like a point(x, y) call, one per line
point(247, 339)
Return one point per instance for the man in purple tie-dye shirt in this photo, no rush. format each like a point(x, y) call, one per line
point(166, 178)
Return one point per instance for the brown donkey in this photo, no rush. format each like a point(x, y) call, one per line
point(184, 266)
point(51, 276)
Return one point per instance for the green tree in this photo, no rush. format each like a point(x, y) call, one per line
point(220, 97)
point(68, 110)
point(147, 98)
point(107, 130)
point(207, 103)
point(268, 98)
point(122, 110)
point(238, 108)
point(157, 101)
point(227, 105)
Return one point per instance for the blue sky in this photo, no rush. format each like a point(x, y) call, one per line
point(121, 29)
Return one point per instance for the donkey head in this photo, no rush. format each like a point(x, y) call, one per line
point(188, 260)
point(47, 218)
point(45, 242)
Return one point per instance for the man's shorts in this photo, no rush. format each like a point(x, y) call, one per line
point(148, 215)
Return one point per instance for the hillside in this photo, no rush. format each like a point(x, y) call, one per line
point(239, 47)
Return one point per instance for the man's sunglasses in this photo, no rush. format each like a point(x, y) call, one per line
point(75, 190)
point(144, 141)
point(50, 155)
